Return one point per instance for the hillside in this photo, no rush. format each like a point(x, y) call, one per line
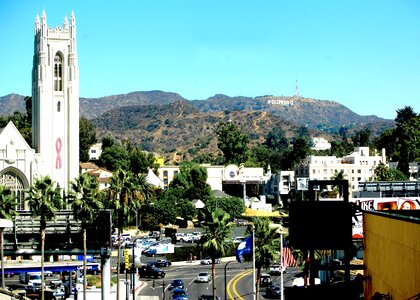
point(179, 129)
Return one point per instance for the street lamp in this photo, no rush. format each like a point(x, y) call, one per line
point(134, 273)
point(4, 223)
point(225, 277)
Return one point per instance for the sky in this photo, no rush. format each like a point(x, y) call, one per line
point(362, 54)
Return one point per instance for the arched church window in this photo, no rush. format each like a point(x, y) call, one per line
point(14, 183)
point(58, 106)
point(58, 73)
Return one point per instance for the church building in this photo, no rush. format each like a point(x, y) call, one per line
point(55, 114)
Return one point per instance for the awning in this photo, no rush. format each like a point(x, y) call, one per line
point(357, 236)
point(262, 213)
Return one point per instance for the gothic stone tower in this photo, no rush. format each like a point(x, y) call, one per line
point(55, 100)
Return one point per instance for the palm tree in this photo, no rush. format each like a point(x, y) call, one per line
point(7, 211)
point(339, 176)
point(44, 199)
point(121, 199)
point(85, 205)
point(266, 246)
point(144, 192)
point(215, 239)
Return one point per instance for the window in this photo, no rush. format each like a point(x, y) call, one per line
point(165, 173)
point(58, 106)
point(58, 73)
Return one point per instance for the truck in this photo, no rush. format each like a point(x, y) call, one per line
point(151, 271)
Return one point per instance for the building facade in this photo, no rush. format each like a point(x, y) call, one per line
point(55, 100)
point(55, 115)
point(358, 167)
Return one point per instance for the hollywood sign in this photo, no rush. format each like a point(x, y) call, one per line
point(280, 102)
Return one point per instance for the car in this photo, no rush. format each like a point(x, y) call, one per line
point(188, 238)
point(273, 292)
point(48, 273)
point(176, 283)
point(163, 263)
point(178, 291)
point(151, 271)
point(203, 277)
point(207, 261)
point(154, 234)
point(180, 297)
point(238, 239)
point(207, 297)
point(265, 280)
point(276, 269)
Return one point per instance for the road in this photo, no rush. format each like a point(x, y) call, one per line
point(238, 279)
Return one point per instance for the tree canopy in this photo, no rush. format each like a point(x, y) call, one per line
point(87, 137)
point(232, 143)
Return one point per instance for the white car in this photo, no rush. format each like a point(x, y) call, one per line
point(203, 277)
point(48, 273)
point(238, 239)
point(207, 261)
point(276, 269)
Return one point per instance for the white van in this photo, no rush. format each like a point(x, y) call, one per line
point(31, 278)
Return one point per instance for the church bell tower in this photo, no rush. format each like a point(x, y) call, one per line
point(55, 100)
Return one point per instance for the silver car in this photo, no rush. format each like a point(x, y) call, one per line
point(207, 261)
point(203, 277)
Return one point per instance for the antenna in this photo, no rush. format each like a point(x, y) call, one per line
point(297, 89)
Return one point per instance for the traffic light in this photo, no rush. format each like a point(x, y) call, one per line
point(127, 259)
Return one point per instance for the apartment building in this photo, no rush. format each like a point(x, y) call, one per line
point(358, 167)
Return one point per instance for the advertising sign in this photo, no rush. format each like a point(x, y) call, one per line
point(302, 183)
point(395, 203)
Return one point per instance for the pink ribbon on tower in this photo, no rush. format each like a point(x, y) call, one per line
point(58, 145)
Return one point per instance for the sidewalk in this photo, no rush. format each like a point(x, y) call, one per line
point(96, 294)
point(197, 262)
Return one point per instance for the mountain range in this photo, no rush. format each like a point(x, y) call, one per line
point(178, 128)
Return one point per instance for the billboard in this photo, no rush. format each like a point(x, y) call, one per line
point(302, 183)
point(394, 203)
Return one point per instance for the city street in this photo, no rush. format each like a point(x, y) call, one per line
point(238, 279)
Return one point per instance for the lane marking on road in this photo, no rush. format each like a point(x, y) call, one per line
point(233, 282)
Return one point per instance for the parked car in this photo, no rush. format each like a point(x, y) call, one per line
point(8, 274)
point(154, 234)
point(207, 297)
point(273, 292)
point(207, 261)
point(203, 277)
point(187, 238)
point(238, 239)
point(151, 271)
point(176, 283)
point(265, 280)
point(48, 273)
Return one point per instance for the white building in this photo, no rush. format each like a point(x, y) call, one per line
point(95, 151)
point(358, 166)
point(319, 143)
point(220, 176)
point(55, 100)
point(55, 114)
